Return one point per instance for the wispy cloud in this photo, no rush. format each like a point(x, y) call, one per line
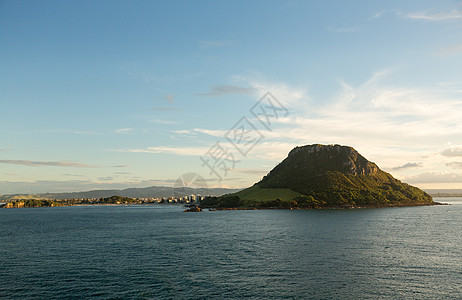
point(387, 124)
point(435, 16)
point(435, 177)
point(452, 50)
point(215, 133)
point(452, 151)
point(250, 171)
point(66, 164)
point(32, 163)
point(124, 130)
point(73, 175)
point(61, 131)
point(184, 151)
point(292, 97)
point(450, 83)
point(165, 122)
point(408, 166)
point(454, 165)
point(382, 13)
point(398, 114)
point(267, 150)
point(362, 24)
point(429, 15)
point(221, 90)
point(185, 131)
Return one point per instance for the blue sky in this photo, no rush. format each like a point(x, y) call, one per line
point(115, 94)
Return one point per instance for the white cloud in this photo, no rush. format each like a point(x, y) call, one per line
point(434, 177)
point(293, 97)
point(454, 165)
point(386, 123)
point(164, 122)
point(74, 175)
point(382, 13)
point(215, 133)
point(440, 16)
point(452, 151)
point(393, 116)
point(184, 151)
point(408, 166)
point(61, 131)
point(185, 131)
point(250, 171)
point(274, 151)
point(32, 163)
point(124, 130)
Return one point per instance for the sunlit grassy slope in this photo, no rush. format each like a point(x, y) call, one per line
point(256, 193)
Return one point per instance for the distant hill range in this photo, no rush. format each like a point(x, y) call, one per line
point(444, 192)
point(316, 176)
point(147, 192)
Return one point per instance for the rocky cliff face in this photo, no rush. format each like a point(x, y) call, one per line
point(317, 160)
point(331, 158)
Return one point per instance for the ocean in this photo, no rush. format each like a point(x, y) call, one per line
point(161, 252)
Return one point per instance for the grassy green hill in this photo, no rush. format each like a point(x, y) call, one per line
point(318, 176)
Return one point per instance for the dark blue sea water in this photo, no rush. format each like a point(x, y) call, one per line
point(150, 252)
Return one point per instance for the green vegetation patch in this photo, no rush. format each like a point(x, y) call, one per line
point(256, 193)
point(255, 196)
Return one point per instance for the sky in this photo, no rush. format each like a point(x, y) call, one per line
point(117, 94)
